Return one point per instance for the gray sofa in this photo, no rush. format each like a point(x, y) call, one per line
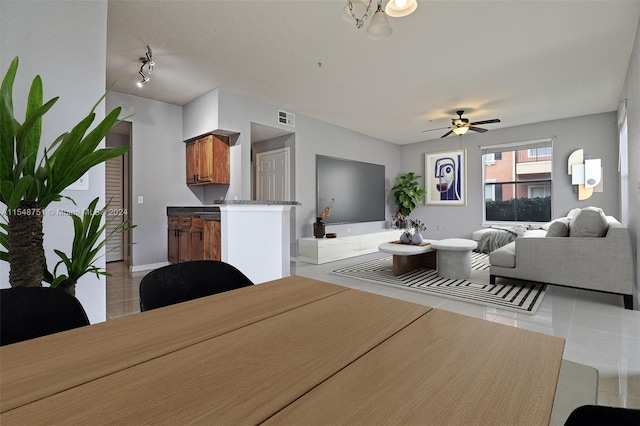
point(585, 250)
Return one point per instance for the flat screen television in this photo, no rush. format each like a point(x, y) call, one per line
point(357, 187)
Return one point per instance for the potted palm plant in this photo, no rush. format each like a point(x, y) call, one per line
point(30, 181)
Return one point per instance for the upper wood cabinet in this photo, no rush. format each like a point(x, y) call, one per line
point(208, 160)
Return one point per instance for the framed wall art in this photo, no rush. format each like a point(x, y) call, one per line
point(446, 178)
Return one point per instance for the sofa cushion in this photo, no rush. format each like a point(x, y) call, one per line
point(590, 222)
point(505, 256)
point(559, 228)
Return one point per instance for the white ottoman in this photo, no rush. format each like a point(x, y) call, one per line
point(454, 257)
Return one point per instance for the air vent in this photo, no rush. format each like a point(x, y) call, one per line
point(286, 118)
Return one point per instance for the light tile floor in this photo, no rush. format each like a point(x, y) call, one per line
point(598, 331)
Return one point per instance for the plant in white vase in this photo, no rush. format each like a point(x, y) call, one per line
point(405, 237)
point(417, 227)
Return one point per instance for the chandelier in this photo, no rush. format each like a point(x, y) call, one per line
point(379, 28)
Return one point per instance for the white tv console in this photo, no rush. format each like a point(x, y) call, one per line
point(323, 250)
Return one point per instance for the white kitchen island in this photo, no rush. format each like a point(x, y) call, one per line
point(255, 237)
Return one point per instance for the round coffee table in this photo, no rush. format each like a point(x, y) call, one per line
point(407, 257)
point(454, 257)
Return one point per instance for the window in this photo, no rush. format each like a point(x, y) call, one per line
point(517, 181)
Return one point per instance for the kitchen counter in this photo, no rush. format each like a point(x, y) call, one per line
point(255, 234)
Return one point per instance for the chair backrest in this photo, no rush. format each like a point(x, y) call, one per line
point(30, 312)
point(603, 415)
point(180, 282)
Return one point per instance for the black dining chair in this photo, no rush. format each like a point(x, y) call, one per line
point(180, 282)
point(30, 312)
point(603, 415)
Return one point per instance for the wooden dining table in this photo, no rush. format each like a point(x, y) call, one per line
point(290, 351)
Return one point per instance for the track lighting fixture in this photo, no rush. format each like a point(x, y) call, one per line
point(147, 61)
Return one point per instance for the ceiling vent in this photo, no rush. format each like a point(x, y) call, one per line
point(286, 118)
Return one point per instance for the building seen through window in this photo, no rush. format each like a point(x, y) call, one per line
point(517, 182)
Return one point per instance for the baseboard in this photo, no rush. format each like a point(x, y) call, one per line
point(147, 267)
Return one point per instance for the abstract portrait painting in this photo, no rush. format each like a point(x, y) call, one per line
point(445, 178)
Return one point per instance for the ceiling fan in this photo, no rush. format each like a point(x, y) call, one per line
point(460, 125)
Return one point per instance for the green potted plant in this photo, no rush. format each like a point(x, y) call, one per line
point(86, 245)
point(407, 193)
point(30, 181)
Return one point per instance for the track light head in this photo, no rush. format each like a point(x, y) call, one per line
point(148, 62)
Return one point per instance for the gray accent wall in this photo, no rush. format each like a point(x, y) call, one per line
point(597, 134)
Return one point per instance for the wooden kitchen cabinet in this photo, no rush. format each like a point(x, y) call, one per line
point(208, 160)
point(192, 238)
point(173, 244)
point(184, 239)
point(212, 241)
point(197, 239)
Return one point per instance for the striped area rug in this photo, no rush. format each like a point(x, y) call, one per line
point(513, 295)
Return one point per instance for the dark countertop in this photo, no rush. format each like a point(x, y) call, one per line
point(203, 212)
point(212, 212)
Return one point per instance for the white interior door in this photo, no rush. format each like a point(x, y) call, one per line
point(272, 175)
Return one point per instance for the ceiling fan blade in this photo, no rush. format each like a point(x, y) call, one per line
point(477, 129)
point(495, 120)
point(439, 128)
point(446, 134)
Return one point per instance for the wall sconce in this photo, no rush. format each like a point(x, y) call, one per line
point(586, 173)
point(147, 61)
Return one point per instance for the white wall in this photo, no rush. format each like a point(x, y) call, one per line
point(64, 42)
point(631, 93)
point(597, 134)
point(158, 158)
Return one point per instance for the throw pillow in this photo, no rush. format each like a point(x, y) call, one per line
point(559, 228)
point(573, 213)
point(590, 222)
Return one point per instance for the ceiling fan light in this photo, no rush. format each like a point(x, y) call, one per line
point(400, 8)
point(460, 130)
point(379, 27)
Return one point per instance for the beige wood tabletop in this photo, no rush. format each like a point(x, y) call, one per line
point(243, 376)
point(443, 369)
point(37, 368)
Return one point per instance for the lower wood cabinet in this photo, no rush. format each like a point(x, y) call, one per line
point(173, 252)
point(192, 238)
